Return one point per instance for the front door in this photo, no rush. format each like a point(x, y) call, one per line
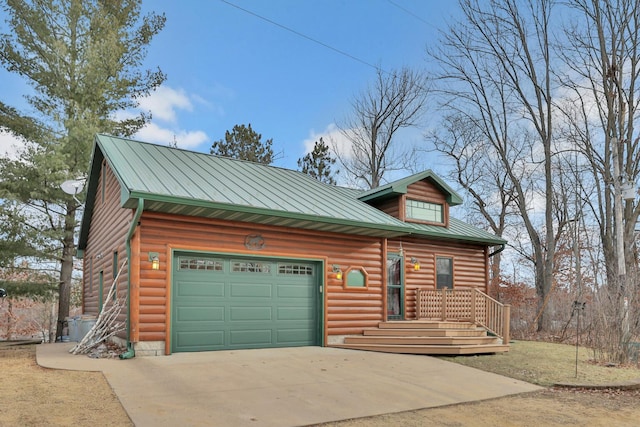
point(395, 288)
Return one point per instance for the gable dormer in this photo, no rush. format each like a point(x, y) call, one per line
point(421, 198)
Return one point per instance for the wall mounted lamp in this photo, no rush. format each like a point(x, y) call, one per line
point(416, 264)
point(336, 269)
point(154, 257)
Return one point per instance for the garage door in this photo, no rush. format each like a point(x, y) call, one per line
point(222, 303)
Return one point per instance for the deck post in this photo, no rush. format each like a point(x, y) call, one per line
point(473, 306)
point(506, 319)
point(418, 304)
point(444, 304)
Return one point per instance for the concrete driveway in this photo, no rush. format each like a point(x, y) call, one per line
point(281, 387)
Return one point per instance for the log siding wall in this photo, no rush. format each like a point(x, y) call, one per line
point(346, 311)
point(109, 226)
point(469, 266)
point(390, 206)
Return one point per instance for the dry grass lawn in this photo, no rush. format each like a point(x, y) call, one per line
point(35, 396)
point(547, 364)
point(540, 363)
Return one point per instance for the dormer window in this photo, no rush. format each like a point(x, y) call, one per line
point(425, 211)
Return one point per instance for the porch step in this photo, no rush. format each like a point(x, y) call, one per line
point(428, 349)
point(420, 340)
point(426, 332)
point(426, 337)
point(425, 324)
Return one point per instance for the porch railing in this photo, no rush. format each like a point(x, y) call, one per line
point(469, 305)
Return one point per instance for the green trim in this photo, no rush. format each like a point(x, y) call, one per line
point(132, 228)
point(399, 229)
point(467, 233)
point(394, 256)
point(400, 187)
point(90, 200)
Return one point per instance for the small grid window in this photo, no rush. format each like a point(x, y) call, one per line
point(424, 211)
point(251, 267)
point(207, 264)
point(295, 269)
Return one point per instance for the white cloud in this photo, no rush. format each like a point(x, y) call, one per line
point(333, 137)
point(10, 145)
point(163, 103)
point(185, 139)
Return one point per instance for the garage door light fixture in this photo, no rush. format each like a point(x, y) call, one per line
point(155, 260)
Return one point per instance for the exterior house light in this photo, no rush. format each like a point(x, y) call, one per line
point(336, 269)
point(416, 264)
point(155, 260)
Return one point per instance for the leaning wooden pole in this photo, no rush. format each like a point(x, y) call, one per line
point(107, 324)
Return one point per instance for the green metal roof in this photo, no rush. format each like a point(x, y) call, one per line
point(400, 187)
point(458, 230)
point(183, 182)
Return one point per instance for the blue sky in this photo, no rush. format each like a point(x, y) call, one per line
point(226, 66)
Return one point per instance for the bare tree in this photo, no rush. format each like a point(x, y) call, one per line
point(394, 101)
point(481, 175)
point(601, 79)
point(496, 75)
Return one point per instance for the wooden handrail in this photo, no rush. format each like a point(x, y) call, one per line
point(470, 305)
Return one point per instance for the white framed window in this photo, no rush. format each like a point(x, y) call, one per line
point(425, 211)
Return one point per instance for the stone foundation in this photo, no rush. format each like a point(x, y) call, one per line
point(143, 348)
point(149, 348)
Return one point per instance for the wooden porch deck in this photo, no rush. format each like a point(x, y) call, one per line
point(426, 337)
point(451, 322)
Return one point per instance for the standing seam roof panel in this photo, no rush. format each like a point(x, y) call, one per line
point(171, 175)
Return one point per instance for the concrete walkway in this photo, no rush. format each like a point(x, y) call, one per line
point(281, 387)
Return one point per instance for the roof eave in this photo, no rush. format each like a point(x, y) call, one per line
point(461, 237)
point(92, 184)
point(385, 230)
point(400, 187)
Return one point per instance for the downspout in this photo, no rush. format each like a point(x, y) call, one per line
point(130, 352)
point(497, 251)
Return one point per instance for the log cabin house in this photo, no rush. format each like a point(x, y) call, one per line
point(217, 253)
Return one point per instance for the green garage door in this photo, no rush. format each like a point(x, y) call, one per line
point(222, 303)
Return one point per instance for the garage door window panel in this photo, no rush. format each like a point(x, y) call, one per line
point(251, 267)
point(295, 269)
point(201, 264)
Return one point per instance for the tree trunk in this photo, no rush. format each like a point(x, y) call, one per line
point(66, 268)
